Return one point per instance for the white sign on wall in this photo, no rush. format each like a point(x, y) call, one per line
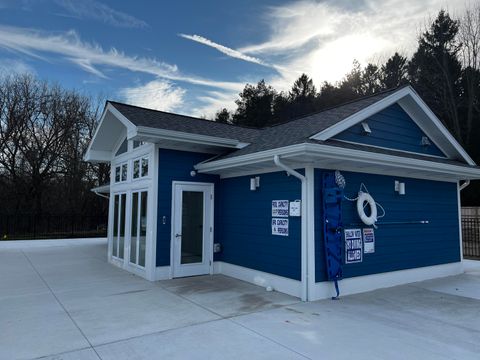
point(295, 208)
point(353, 246)
point(368, 241)
point(280, 226)
point(279, 208)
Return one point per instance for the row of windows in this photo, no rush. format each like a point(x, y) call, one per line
point(140, 170)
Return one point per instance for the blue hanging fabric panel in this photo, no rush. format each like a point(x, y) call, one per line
point(332, 227)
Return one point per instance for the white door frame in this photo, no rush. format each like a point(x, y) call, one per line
point(175, 267)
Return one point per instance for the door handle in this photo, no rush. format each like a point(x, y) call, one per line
point(178, 235)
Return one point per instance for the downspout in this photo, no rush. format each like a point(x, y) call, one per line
point(304, 257)
point(464, 185)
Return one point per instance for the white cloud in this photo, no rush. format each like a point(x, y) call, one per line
point(225, 50)
point(213, 101)
point(90, 9)
point(90, 56)
point(323, 38)
point(9, 66)
point(156, 94)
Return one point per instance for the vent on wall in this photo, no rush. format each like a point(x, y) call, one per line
point(366, 128)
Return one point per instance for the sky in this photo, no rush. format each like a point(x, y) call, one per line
point(194, 57)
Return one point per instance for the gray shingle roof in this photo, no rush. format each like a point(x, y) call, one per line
point(288, 133)
point(163, 120)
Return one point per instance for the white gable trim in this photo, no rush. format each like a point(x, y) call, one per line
point(95, 155)
point(443, 139)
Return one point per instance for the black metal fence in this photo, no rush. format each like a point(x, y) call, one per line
point(471, 236)
point(24, 227)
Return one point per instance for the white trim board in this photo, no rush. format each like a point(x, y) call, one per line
point(360, 284)
point(260, 278)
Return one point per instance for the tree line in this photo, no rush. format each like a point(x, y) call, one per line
point(444, 70)
point(45, 129)
point(44, 132)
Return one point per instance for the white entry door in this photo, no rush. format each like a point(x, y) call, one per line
point(192, 235)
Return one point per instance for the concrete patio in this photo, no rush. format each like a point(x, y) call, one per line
point(64, 301)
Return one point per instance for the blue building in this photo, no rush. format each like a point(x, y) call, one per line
point(364, 195)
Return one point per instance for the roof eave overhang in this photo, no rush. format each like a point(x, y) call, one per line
point(158, 135)
point(320, 155)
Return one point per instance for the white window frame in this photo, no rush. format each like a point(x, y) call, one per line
point(140, 159)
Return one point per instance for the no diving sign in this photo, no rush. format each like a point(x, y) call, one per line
point(353, 246)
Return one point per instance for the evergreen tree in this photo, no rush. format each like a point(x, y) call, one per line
point(255, 105)
point(435, 70)
point(394, 72)
point(223, 116)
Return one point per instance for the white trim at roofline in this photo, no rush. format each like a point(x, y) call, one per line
point(339, 153)
point(106, 155)
point(163, 134)
point(387, 101)
point(360, 284)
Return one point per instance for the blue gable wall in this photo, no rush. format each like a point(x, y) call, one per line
point(391, 128)
point(402, 246)
point(244, 225)
point(173, 165)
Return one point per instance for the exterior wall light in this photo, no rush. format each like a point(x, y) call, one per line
point(193, 173)
point(254, 183)
point(366, 128)
point(400, 187)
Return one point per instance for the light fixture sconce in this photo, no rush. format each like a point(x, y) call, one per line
point(254, 183)
point(400, 187)
point(193, 173)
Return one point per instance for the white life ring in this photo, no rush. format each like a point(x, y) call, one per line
point(362, 198)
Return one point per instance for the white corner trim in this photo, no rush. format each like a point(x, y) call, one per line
point(260, 278)
point(162, 273)
point(360, 284)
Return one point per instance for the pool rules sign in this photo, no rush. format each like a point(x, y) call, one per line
point(353, 246)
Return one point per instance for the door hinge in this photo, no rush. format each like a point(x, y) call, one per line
point(210, 262)
point(211, 196)
point(211, 229)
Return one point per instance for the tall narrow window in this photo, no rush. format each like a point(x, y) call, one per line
point(121, 231)
point(115, 226)
point(143, 228)
point(134, 229)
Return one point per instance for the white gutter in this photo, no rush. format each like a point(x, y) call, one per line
point(304, 235)
point(464, 185)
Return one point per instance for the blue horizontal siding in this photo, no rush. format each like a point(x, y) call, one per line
point(244, 229)
point(391, 128)
point(397, 247)
point(173, 166)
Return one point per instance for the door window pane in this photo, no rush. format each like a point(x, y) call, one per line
point(115, 226)
point(143, 228)
point(192, 227)
point(134, 229)
point(121, 238)
point(117, 174)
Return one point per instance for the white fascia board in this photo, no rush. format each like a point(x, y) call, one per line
point(248, 159)
point(440, 126)
point(361, 115)
point(89, 154)
point(97, 156)
point(163, 134)
point(334, 152)
point(384, 103)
